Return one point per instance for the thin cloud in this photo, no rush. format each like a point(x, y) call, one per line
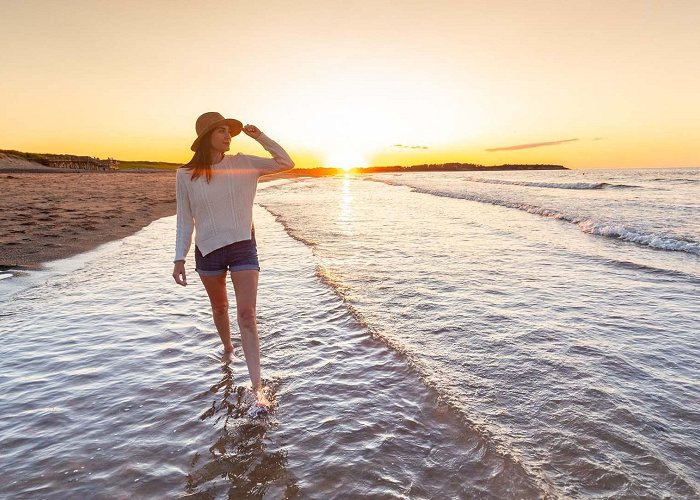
point(408, 147)
point(531, 145)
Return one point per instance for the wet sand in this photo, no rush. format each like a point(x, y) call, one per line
point(48, 216)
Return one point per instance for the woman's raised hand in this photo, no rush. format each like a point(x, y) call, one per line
point(252, 131)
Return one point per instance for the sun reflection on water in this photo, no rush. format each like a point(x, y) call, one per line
point(346, 214)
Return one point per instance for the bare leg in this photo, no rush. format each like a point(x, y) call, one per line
point(218, 296)
point(245, 284)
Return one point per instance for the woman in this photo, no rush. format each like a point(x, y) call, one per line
point(215, 194)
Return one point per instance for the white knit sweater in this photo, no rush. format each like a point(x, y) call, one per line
point(221, 211)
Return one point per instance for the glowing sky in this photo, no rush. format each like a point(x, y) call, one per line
point(602, 83)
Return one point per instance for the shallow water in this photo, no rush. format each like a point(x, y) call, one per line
point(113, 387)
point(576, 349)
point(417, 342)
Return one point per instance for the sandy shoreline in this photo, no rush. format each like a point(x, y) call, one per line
point(49, 216)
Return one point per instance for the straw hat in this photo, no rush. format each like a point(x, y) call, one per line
point(211, 120)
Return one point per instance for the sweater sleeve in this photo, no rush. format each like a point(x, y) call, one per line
point(185, 220)
point(279, 162)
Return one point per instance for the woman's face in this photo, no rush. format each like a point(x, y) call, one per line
point(221, 139)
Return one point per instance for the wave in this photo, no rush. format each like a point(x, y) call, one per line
point(655, 270)
point(496, 440)
point(607, 228)
point(679, 180)
point(556, 185)
point(619, 231)
point(273, 183)
point(288, 228)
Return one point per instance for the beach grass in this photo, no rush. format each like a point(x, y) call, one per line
point(150, 165)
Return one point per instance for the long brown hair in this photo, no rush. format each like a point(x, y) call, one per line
point(200, 164)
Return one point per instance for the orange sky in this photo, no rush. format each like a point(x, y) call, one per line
point(609, 83)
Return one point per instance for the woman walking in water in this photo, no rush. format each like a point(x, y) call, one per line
point(215, 194)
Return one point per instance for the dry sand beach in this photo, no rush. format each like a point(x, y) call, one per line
point(48, 216)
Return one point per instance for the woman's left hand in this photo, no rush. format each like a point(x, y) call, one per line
point(252, 131)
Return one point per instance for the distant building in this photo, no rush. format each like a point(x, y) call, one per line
point(82, 163)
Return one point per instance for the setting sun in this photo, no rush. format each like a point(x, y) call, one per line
point(346, 160)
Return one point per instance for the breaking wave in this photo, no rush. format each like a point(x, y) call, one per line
point(555, 185)
point(608, 229)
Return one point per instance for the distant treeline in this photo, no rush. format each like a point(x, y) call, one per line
point(462, 167)
point(443, 167)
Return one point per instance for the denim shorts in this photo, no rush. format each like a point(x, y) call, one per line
point(238, 256)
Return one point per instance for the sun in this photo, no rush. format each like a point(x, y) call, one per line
point(346, 160)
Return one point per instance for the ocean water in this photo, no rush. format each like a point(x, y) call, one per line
point(425, 335)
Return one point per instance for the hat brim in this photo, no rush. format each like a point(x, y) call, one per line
point(234, 126)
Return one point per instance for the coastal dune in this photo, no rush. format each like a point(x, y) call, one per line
point(12, 163)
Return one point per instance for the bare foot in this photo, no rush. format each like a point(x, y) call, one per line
point(228, 356)
point(261, 407)
point(260, 398)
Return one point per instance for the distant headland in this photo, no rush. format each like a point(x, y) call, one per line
point(435, 167)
